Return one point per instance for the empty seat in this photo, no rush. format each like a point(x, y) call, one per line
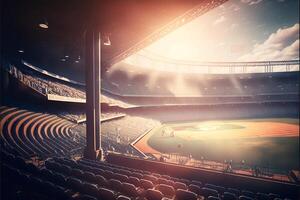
point(121, 177)
point(206, 192)
point(106, 194)
point(46, 173)
point(31, 168)
point(90, 189)
point(101, 181)
point(229, 196)
point(115, 185)
point(108, 174)
point(89, 177)
point(248, 193)
point(74, 183)
point(122, 197)
point(194, 188)
point(152, 194)
point(156, 175)
point(213, 198)
point(84, 197)
point(129, 189)
point(185, 195)
point(242, 197)
point(185, 181)
point(262, 196)
point(162, 180)
point(77, 173)
point(234, 191)
point(220, 189)
point(35, 182)
point(137, 175)
point(59, 179)
point(170, 182)
point(135, 181)
point(167, 190)
point(180, 185)
point(198, 183)
point(151, 178)
point(146, 184)
point(273, 196)
point(65, 169)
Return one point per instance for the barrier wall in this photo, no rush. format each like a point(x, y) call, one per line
point(209, 176)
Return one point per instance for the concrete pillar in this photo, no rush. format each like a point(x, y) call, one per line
point(98, 89)
point(92, 76)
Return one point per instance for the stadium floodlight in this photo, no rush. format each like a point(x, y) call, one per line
point(44, 24)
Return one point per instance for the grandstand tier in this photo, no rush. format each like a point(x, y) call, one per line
point(63, 178)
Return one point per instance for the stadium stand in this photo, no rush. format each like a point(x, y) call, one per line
point(54, 88)
point(42, 135)
point(79, 117)
point(237, 88)
point(63, 178)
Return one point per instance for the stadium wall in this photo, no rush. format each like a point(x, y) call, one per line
point(220, 178)
point(211, 112)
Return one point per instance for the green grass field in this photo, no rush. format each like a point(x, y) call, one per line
point(270, 142)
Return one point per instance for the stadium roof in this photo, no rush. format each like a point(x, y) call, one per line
point(131, 25)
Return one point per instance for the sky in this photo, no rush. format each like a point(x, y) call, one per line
point(238, 30)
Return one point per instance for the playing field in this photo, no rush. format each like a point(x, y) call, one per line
point(270, 142)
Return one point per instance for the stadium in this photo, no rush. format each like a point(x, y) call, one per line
point(128, 100)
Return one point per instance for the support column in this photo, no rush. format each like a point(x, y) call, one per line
point(98, 89)
point(92, 76)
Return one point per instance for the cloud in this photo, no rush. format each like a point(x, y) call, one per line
point(234, 25)
point(219, 20)
point(234, 7)
point(280, 45)
point(251, 2)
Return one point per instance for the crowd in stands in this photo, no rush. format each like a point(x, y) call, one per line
point(47, 85)
point(212, 90)
point(79, 117)
point(118, 134)
point(203, 84)
point(128, 128)
point(74, 117)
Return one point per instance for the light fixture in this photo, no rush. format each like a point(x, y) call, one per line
point(106, 40)
point(44, 24)
point(66, 56)
point(63, 59)
point(76, 61)
point(21, 51)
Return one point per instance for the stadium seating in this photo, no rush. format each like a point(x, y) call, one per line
point(261, 87)
point(63, 178)
point(34, 134)
point(46, 85)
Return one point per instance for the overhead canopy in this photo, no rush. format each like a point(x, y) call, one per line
point(130, 25)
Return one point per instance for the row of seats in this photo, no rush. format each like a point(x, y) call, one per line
point(46, 85)
point(86, 179)
point(37, 134)
point(25, 133)
point(43, 135)
point(136, 183)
